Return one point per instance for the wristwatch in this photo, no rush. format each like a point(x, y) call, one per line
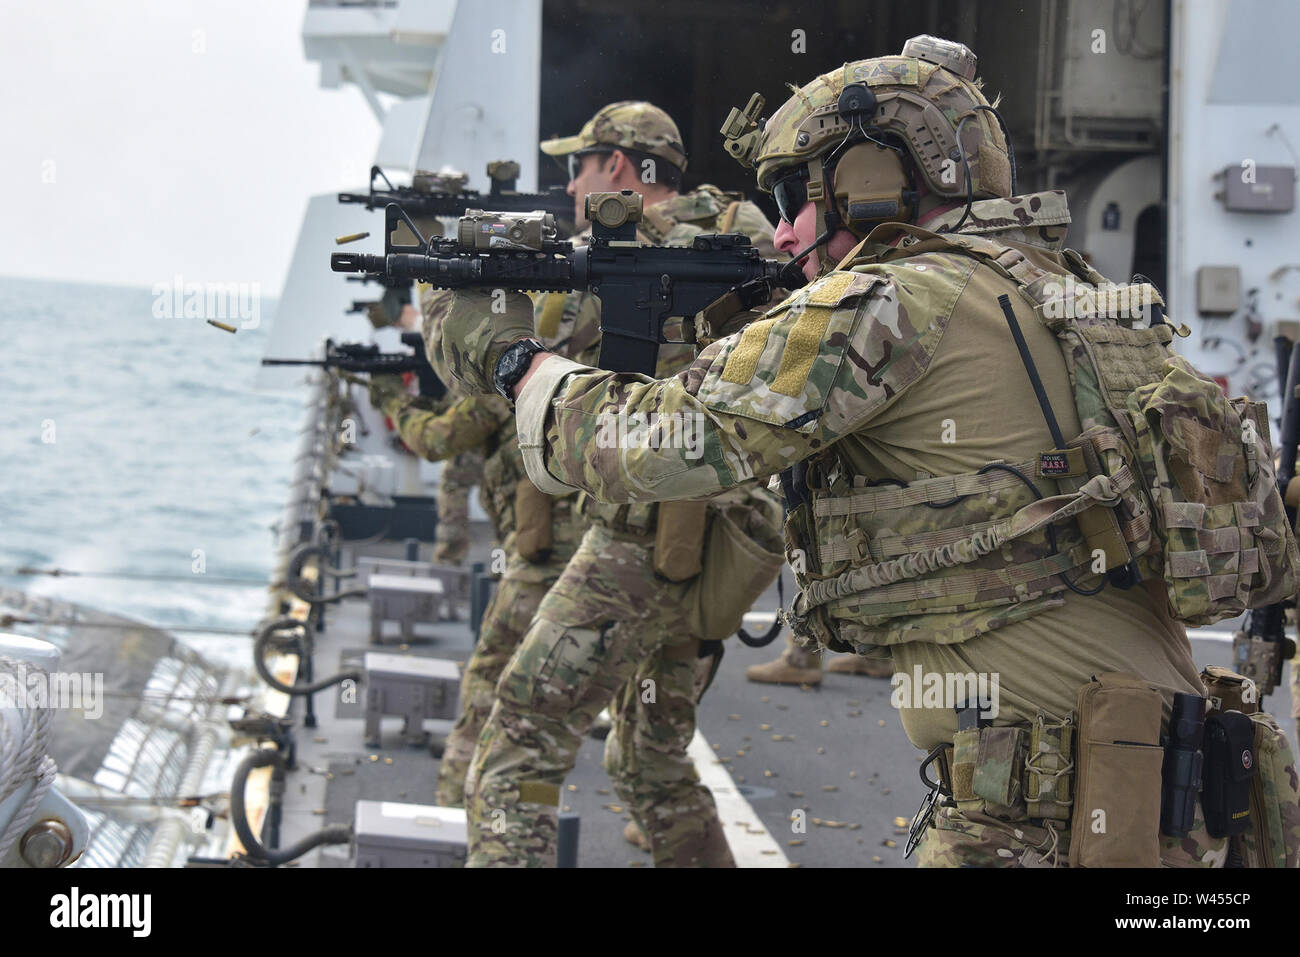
point(513, 364)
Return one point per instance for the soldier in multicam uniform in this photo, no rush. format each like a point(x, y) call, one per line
point(611, 632)
point(870, 391)
point(484, 423)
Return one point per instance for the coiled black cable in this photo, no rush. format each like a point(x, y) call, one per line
point(268, 757)
point(272, 631)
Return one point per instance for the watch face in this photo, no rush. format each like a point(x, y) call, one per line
point(512, 364)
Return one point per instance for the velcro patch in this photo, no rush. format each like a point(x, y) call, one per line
point(548, 322)
point(1061, 463)
point(538, 792)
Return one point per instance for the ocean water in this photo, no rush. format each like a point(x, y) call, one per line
point(136, 444)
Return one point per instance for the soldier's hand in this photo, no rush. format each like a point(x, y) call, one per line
point(478, 327)
point(385, 387)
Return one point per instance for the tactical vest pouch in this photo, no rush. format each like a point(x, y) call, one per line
point(679, 540)
point(965, 751)
point(1049, 768)
point(1209, 467)
point(999, 772)
point(1273, 840)
point(742, 557)
point(534, 524)
point(1117, 792)
point(1229, 691)
point(1229, 750)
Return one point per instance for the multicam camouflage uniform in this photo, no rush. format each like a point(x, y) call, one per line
point(481, 422)
point(877, 377)
point(610, 631)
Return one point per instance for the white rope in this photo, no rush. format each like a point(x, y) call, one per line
point(23, 759)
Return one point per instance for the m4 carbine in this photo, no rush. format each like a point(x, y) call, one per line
point(444, 194)
point(640, 286)
point(362, 357)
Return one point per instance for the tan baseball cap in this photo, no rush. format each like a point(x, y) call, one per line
point(631, 124)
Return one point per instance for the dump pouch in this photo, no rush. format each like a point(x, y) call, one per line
point(679, 540)
point(1229, 767)
point(743, 554)
point(1117, 790)
point(1273, 840)
point(534, 524)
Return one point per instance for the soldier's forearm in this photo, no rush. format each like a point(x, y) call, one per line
point(628, 438)
point(467, 425)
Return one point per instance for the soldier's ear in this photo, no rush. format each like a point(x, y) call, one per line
point(618, 162)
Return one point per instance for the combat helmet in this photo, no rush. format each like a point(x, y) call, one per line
point(925, 102)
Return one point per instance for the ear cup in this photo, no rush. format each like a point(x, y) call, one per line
point(872, 186)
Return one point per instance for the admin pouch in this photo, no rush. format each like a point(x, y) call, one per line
point(1116, 820)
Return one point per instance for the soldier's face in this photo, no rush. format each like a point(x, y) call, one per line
point(794, 237)
point(592, 173)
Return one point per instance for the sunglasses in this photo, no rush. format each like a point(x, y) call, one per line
point(575, 160)
point(790, 193)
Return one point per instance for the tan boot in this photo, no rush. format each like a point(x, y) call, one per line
point(794, 667)
point(635, 836)
point(857, 665)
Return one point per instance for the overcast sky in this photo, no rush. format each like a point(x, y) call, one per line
point(158, 137)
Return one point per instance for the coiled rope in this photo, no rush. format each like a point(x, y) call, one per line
point(23, 754)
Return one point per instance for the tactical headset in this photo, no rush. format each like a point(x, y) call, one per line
point(870, 185)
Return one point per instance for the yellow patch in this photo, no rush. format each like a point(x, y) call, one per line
point(805, 338)
point(802, 342)
point(548, 320)
point(538, 792)
point(743, 361)
point(801, 348)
